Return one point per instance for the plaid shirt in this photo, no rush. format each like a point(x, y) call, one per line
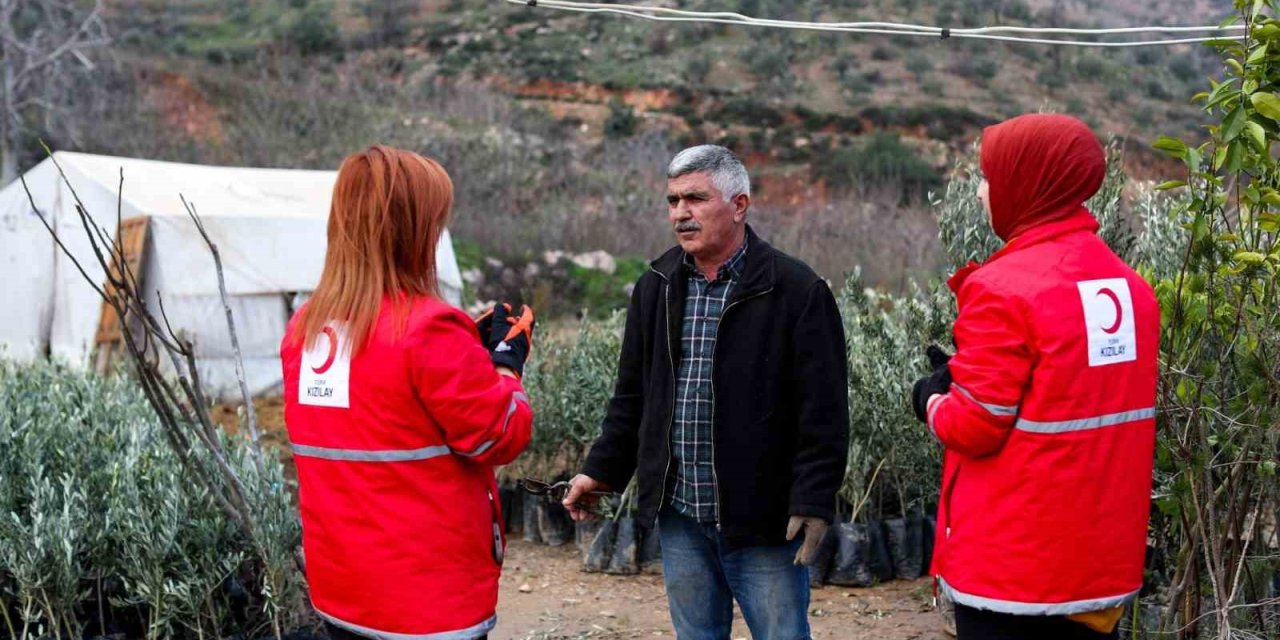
point(693, 477)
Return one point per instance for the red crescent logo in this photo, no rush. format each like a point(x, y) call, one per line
point(333, 351)
point(1119, 310)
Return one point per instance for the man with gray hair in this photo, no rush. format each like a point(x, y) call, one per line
point(731, 409)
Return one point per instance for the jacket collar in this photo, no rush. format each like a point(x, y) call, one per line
point(1081, 220)
point(757, 273)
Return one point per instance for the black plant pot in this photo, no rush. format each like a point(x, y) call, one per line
point(650, 550)
point(584, 533)
point(512, 509)
point(555, 524)
point(852, 564)
point(532, 506)
point(626, 549)
point(601, 552)
point(823, 556)
point(906, 544)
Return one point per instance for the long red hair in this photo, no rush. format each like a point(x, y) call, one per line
point(389, 208)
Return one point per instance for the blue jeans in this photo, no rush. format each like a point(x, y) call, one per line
point(703, 578)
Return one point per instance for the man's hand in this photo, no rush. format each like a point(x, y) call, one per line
point(814, 530)
point(581, 493)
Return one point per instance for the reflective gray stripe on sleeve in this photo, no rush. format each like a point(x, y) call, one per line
point(993, 409)
point(1035, 608)
point(930, 410)
point(518, 396)
point(364, 455)
point(1084, 424)
point(470, 633)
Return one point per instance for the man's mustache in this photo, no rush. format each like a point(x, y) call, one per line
point(687, 225)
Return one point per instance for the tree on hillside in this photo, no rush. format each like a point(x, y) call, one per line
point(42, 51)
point(315, 30)
point(389, 20)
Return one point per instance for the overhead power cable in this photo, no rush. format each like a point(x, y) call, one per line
point(665, 14)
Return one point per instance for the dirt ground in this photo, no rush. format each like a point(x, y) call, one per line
point(544, 596)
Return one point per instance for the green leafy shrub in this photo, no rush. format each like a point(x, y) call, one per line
point(746, 111)
point(1218, 446)
point(1184, 66)
point(770, 63)
point(1157, 89)
point(607, 292)
point(883, 160)
point(843, 65)
point(1091, 66)
point(622, 121)
point(1051, 78)
point(104, 533)
point(1118, 92)
point(1153, 241)
point(980, 69)
point(1149, 56)
point(314, 30)
point(892, 460)
point(570, 380)
point(941, 121)
point(919, 65)
point(1018, 11)
point(884, 52)
point(698, 67)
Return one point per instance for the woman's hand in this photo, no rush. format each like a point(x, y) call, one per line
point(509, 337)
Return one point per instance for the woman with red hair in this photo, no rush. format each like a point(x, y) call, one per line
point(1047, 409)
point(398, 407)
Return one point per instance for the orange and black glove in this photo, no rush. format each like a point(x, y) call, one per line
point(508, 336)
point(484, 324)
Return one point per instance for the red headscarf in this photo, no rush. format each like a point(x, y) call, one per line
point(1039, 168)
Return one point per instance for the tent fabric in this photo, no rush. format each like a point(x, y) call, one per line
point(269, 226)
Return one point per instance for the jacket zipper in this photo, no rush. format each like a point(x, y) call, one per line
point(498, 551)
point(946, 500)
point(715, 479)
point(671, 414)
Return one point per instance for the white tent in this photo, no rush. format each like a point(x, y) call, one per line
point(269, 226)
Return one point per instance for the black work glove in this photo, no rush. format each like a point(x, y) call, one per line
point(484, 323)
point(937, 357)
point(938, 382)
point(509, 337)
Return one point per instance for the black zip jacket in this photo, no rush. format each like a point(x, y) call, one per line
point(779, 391)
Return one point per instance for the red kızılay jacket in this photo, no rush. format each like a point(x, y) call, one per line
point(395, 450)
point(1049, 427)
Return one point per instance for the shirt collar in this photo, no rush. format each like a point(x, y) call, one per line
point(731, 267)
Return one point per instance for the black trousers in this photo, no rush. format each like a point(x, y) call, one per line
point(977, 624)
point(338, 633)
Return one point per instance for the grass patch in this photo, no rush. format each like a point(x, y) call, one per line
point(602, 292)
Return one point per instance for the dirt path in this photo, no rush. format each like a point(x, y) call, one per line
point(544, 596)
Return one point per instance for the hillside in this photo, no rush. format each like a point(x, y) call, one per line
point(564, 120)
point(732, 75)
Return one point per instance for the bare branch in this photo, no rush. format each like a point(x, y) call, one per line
point(251, 416)
point(58, 241)
point(72, 41)
point(180, 405)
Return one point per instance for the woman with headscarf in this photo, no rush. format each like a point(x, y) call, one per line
point(1046, 410)
point(398, 407)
